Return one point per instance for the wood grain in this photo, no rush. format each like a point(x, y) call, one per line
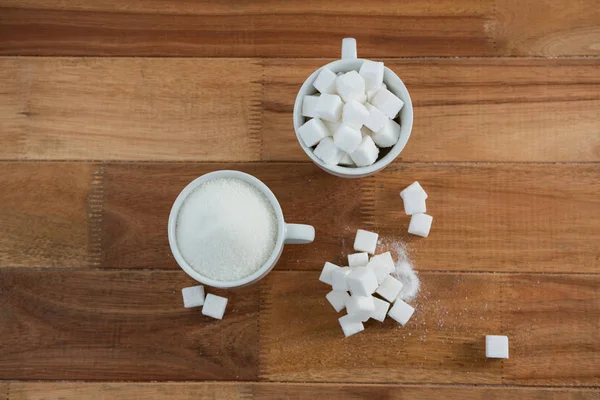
point(290, 391)
point(173, 109)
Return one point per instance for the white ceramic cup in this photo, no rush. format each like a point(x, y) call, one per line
point(286, 233)
point(394, 84)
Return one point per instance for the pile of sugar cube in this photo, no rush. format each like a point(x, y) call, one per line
point(352, 116)
point(364, 278)
point(212, 305)
point(414, 204)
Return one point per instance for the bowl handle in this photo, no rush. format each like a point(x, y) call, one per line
point(299, 234)
point(348, 48)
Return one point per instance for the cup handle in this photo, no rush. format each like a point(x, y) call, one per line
point(348, 48)
point(299, 234)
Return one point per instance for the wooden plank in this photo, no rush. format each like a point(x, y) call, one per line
point(115, 325)
point(164, 109)
point(552, 327)
point(291, 391)
point(264, 28)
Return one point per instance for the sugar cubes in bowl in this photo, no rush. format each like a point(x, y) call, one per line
point(353, 117)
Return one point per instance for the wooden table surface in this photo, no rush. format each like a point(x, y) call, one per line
point(108, 108)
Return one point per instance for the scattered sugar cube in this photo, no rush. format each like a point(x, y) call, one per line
point(381, 309)
point(388, 135)
point(376, 119)
point(365, 241)
point(372, 93)
point(496, 346)
point(351, 325)
point(325, 82)
point(414, 187)
point(326, 273)
point(347, 138)
point(362, 281)
point(372, 73)
point(354, 114)
point(327, 151)
point(366, 153)
point(362, 99)
point(420, 224)
point(350, 86)
point(414, 203)
point(360, 307)
point(214, 306)
point(401, 312)
point(382, 265)
point(347, 161)
point(337, 299)
point(332, 126)
point(387, 102)
point(390, 288)
point(358, 259)
point(339, 279)
point(329, 107)
point(193, 296)
point(309, 106)
point(313, 131)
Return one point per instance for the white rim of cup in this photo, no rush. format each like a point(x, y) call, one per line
point(172, 228)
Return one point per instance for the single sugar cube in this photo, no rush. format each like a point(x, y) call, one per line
point(388, 135)
point(347, 138)
point(372, 73)
point(325, 82)
point(358, 259)
point(193, 296)
point(354, 114)
point(401, 312)
point(326, 273)
point(362, 281)
point(332, 126)
point(327, 151)
point(496, 346)
point(329, 107)
point(414, 203)
point(376, 119)
point(347, 161)
point(339, 279)
point(365, 241)
point(387, 102)
point(337, 299)
point(214, 306)
point(351, 325)
point(420, 224)
point(382, 265)
point(372, 93)
point(366, 153)
point(309, 106)
point(381, 309)
point(360, 307)
point(350, 86)
point(414, 187)
point(390, 288)
point(362, 99)
point(313, 131)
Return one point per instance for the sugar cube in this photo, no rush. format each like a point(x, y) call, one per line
point(413, 187)
point(332, 126)
point(364, 131)
point(388, 135)
point(414, 203)
point(339, 279)
point(362, 281)
point(337, 299)
point(327, 151)
point(325, 82)
point(329, 107)
point(382, 265)
point(193, 296)
point(354, 114)
point(326, 273)
point(347, 161)
point(372, 73)
point(401, 312)
point(214, 306)
point(372, 93)
point(420, 224)
point(366, 153)
point(365, 241)
point(362, 99)
point(496, 346)
point(390, 288)
point(376, 119)
point(351, 325)
point(360, 307)
point(350, 86)
point(309, 106)
point(381, 309)
point(387, 102)
point(347, 138)
point(313, 131)
point(358, 259)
